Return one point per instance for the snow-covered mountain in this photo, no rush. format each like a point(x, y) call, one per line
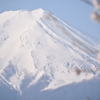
point(39, 54)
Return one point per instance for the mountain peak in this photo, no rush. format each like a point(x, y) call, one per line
point(41, 47)
point(39, 9)
point(28, 14)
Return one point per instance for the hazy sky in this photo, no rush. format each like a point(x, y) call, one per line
point(74, 12)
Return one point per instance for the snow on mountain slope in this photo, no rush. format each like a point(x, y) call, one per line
point(35, 46)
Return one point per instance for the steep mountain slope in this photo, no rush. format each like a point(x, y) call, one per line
point(39, 52)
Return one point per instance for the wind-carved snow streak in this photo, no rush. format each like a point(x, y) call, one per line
point(70, 32)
